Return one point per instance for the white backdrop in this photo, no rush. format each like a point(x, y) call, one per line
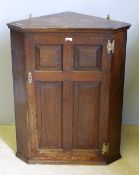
point(125, 10)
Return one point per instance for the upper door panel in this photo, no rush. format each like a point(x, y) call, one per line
point(48, 57)
point(87, 57)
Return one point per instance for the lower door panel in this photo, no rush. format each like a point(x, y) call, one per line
point(49, 114)
point(86, 115)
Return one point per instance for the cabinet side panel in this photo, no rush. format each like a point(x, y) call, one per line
point(20, 95)
point(116, 94)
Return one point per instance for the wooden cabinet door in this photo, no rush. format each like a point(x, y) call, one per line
point(68, 96)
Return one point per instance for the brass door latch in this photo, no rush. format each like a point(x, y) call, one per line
point(29, 77)
point(110, 46)
point(105, 148)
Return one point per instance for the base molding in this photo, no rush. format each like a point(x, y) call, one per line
point(113, 159)
point(42, 160)
point(22, 157)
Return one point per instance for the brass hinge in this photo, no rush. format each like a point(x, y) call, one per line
point(29, 77)
point(110, 46)
point(105, 148)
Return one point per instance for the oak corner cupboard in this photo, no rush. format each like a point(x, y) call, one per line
point(68, 72)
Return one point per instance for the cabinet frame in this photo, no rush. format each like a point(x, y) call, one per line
point(25, 107)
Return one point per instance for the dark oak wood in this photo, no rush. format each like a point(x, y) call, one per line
point(116, 94)
point(66, 20)
point(20, 92)
point(87, 57)
point(49, 116)
point(48, 57)
point(86, 116)
point(74, 103)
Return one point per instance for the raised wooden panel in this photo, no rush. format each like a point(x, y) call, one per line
point(49, 114)
point(87, 57)
point(48, 57)
point(86, 115)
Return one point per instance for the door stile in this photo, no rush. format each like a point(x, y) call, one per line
point(31, 97)
point(67, 98)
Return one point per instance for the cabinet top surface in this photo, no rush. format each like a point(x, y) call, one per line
point(67, 20)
